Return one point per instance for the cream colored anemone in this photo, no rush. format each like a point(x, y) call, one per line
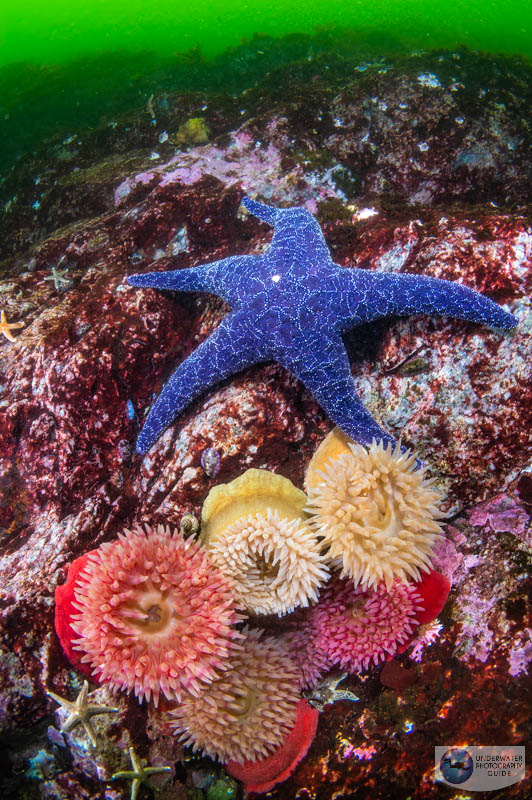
point(376, 511)
point(256, 531)
point(249, 711)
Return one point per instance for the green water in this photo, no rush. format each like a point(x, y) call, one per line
point(53, 31)
point(67, 66)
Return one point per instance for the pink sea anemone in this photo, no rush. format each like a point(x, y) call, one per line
point(355, 628)
point(313, 663)
point(152, 614)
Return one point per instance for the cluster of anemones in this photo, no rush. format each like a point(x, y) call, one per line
point(151, 613)
point(154, 612)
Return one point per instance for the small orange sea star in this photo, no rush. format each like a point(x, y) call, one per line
point(5, 326)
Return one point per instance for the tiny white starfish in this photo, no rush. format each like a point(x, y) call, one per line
point(81, 711)
point(138, 774)
point(58, 279)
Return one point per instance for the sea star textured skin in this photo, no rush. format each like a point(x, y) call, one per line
point(292, 305)
point(81, 711)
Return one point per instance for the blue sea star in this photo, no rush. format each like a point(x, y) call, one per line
point(292, 305)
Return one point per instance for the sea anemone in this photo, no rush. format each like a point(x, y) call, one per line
point(153, 614)
point(355, 628)
point(64, 610)
point(261, 776)
point(246, 713)
point(433, 589)
point(374, 509)
point(425, 636)
point(255, 530)
point(312, 662)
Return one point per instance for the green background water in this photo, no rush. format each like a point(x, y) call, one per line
point(53, 31)
point(67, 66)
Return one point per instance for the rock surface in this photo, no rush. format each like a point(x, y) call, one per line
point(418, 165)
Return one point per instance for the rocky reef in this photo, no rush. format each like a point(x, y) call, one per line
point(417, 163)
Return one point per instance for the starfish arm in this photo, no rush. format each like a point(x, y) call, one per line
point(89, 730)
point(6, 327)
point(400, 294)
point(71, 722)
point(81, 700)
point(232, 347)
point(344, 694)
point(69, 705)
point(296, 235)
point(218, 277)
point(136, 763)
point(156, 770)
point(261, 210)
point(324, 370)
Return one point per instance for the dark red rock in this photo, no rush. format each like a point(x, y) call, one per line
point(395, 676)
